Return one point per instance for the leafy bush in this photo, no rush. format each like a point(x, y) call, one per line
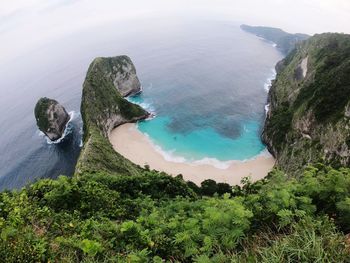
point(150, 217)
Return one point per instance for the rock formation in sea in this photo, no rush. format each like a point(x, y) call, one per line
point(51, 118)
point(103, 107)
point(309, 117)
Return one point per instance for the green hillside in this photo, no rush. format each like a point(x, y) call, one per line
point(309, 115)
point(102, 109)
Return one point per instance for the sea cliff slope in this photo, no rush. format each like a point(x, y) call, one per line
point(103, 108)
point(309, 116)
point(284, 41)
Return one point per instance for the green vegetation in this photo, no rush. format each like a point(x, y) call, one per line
point(102, 109)
point(308, 120)
point(98, 155)
point(280, 124)
point(286, 42)
point(101, 101)
point(331, 88)
point(153, 217)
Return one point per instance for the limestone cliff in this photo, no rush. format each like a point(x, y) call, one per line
point(51, 118)
point(104, 108)
point(309, 116)
point(122, 72)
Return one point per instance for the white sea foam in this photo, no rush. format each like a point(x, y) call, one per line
point(245, 128)
point(267, 87)
point(145, 105)
point(167, 155)
point(268, 41)
point(268, 83)
point(81, 132)
point(213, 162)
point(171, 156)
point(267, 108)
point(67, 129)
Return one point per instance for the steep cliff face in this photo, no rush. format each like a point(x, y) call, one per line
point(309, 116)
point(104, 108)
point(51, 118)
point(124, 76)
point(285, 42)
point(122, 72)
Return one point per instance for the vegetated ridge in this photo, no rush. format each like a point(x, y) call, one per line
point(284, 41)
point(309, 117)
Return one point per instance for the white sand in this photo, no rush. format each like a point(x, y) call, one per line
point(138, 148)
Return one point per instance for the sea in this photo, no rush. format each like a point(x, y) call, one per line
point(205, 81)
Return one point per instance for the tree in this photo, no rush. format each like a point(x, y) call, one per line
point(209, 187)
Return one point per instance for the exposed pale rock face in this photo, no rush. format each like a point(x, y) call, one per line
point(51, 118)
point(304, 66)
point(123, 74)
point(126, 80)
point(301, 70)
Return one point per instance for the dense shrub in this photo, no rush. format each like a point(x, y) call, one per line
point(105, 218)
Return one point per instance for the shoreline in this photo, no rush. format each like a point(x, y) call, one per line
point(127, 140)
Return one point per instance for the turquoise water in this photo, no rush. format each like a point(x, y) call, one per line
point(207, 85)
point(203, 79)
point(203, 142)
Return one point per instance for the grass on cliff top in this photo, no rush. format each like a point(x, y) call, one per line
point(98, 155)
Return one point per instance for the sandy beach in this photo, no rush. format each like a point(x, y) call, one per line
point(137, 147)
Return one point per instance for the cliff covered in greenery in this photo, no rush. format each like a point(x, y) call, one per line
point(309, 117)
point(103, 108)
point(284, 41)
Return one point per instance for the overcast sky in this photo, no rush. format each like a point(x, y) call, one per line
point(24, 23)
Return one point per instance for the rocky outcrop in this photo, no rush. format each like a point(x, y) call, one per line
point(284, 41)
point(124, 76)
point(308, 120)
point(103, 107)
point(122, 73)
point(51, 118)
point(102, 103)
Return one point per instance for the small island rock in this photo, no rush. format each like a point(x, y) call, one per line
point(51, 118)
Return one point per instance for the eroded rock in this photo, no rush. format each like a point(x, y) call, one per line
point(51, 118)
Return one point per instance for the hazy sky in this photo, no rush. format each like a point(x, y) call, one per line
point(24, 23)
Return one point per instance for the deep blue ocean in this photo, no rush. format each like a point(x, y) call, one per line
point(204, 80)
